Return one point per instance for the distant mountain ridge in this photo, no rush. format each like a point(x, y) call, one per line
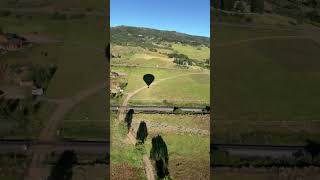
point(147, 37)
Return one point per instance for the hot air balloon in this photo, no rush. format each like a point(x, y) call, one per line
point(148, 79)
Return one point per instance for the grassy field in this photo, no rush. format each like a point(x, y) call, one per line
point(92, 108)
point(225, 34)
point(184, 146)
point(265, 174)
point(278, 86)
point(267, 87)
point(11, 129)
point(33, 55)
point(193, 52)
point(12, 167)
point(76, 47)
point(185, 90)
point(81, 54)
point(135, 75)
point(126, 160)
point(87, 120)
point(172, 91)
point(140, 57)
point(79, 50)
point(265, 132)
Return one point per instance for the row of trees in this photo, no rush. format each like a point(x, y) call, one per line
point(159, 150)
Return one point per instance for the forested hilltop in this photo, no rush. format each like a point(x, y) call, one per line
point(146, 37)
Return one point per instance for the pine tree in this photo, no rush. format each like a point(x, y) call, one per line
point(159, 153)
point(142, 132)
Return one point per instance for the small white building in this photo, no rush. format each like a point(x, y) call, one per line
point(37, 92)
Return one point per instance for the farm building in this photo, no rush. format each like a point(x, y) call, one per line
point(12, 42)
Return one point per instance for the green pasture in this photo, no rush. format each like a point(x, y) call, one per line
point(85, 130)
point(265, 132)
point(33, 55)
point(13, 167)
point(29, 127)
point(88, 119)
point(189, 90)
point(188, 153)
point(225, 34)
point(79, 52)
point(135, 75)
point(271, 79)
point(145, 60)
point(193, 52)
point(82, 63)
point(92, 108)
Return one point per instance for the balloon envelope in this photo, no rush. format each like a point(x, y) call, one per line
point(148, 79)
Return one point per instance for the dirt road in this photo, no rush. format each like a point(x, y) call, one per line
point(48, 133)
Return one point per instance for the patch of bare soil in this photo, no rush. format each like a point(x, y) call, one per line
point(124, 172)
point(182, 169)
point(157, 127)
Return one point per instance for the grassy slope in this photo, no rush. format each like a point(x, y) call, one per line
point(81, 64)
point(192, 52)
point(13, 168)
point(87, 120)
point(185, 90)
point(266, 80)
point(80, 54)
point(225, 34)
point(11, 130)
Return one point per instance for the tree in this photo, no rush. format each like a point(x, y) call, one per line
point(312, 148)
point(107, 52)
point(142, 132)
point(257, 6)
point(159, 153)
point(128, 118)
point(63, 169)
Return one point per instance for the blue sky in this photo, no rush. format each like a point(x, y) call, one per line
point(186, 16)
